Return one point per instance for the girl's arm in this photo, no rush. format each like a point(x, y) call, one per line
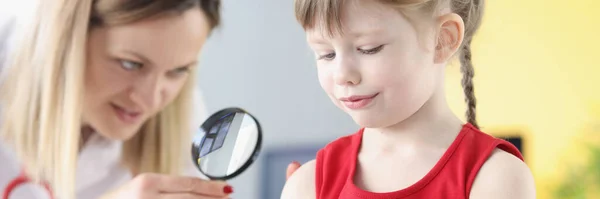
point(301, 185)
point(503, 176)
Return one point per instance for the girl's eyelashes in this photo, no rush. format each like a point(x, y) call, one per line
point(329, 56)
point(371, 50)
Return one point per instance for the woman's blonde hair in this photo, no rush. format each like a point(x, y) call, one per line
point(42, 91)
point(328, 14)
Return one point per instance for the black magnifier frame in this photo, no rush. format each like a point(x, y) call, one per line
point(214, 119)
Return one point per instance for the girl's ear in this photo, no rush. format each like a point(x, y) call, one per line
point(449, 38)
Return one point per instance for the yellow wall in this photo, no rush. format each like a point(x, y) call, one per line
point(537, 71)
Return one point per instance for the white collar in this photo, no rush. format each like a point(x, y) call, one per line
point(100, 160)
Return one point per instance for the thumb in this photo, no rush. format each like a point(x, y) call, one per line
point(292, 167)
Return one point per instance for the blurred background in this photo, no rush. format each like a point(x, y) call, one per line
point(536, 82)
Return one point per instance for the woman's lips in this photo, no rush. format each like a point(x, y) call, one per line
point(127, 116)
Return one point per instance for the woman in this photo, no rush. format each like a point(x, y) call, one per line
point(96, 99)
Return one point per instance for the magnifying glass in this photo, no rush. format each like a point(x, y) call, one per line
point(226, 144)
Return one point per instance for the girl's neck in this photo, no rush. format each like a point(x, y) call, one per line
point(434, 124)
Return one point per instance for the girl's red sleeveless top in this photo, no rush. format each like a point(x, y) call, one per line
point(451, 177)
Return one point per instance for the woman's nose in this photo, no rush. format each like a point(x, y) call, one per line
point(146, 93)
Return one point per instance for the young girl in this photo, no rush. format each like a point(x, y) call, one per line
point(383, 62)
point(96, 100)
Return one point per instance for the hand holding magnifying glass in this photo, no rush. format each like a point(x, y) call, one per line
point(226, 144)
point(165, 186)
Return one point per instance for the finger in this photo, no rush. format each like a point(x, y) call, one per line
point(181, 184)
point(292, 167)
point(188, 196)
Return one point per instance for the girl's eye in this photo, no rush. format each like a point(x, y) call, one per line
point(329, 56)
point(372, 50)
point(130, 65)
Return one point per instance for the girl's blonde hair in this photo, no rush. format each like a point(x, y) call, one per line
point(327, 13)
point(42, 91)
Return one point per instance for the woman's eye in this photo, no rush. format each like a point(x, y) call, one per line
point(130, 65)
point(372, 50)
point(182, 70)
point(329, 56)
point(179, 71)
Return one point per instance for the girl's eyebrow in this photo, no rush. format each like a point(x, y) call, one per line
point(351, 33)
point(369, 31)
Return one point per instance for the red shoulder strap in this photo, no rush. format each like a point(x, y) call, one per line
point(487, 144)
point(332, 166)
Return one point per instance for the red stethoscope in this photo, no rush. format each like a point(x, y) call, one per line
point(21, 180)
